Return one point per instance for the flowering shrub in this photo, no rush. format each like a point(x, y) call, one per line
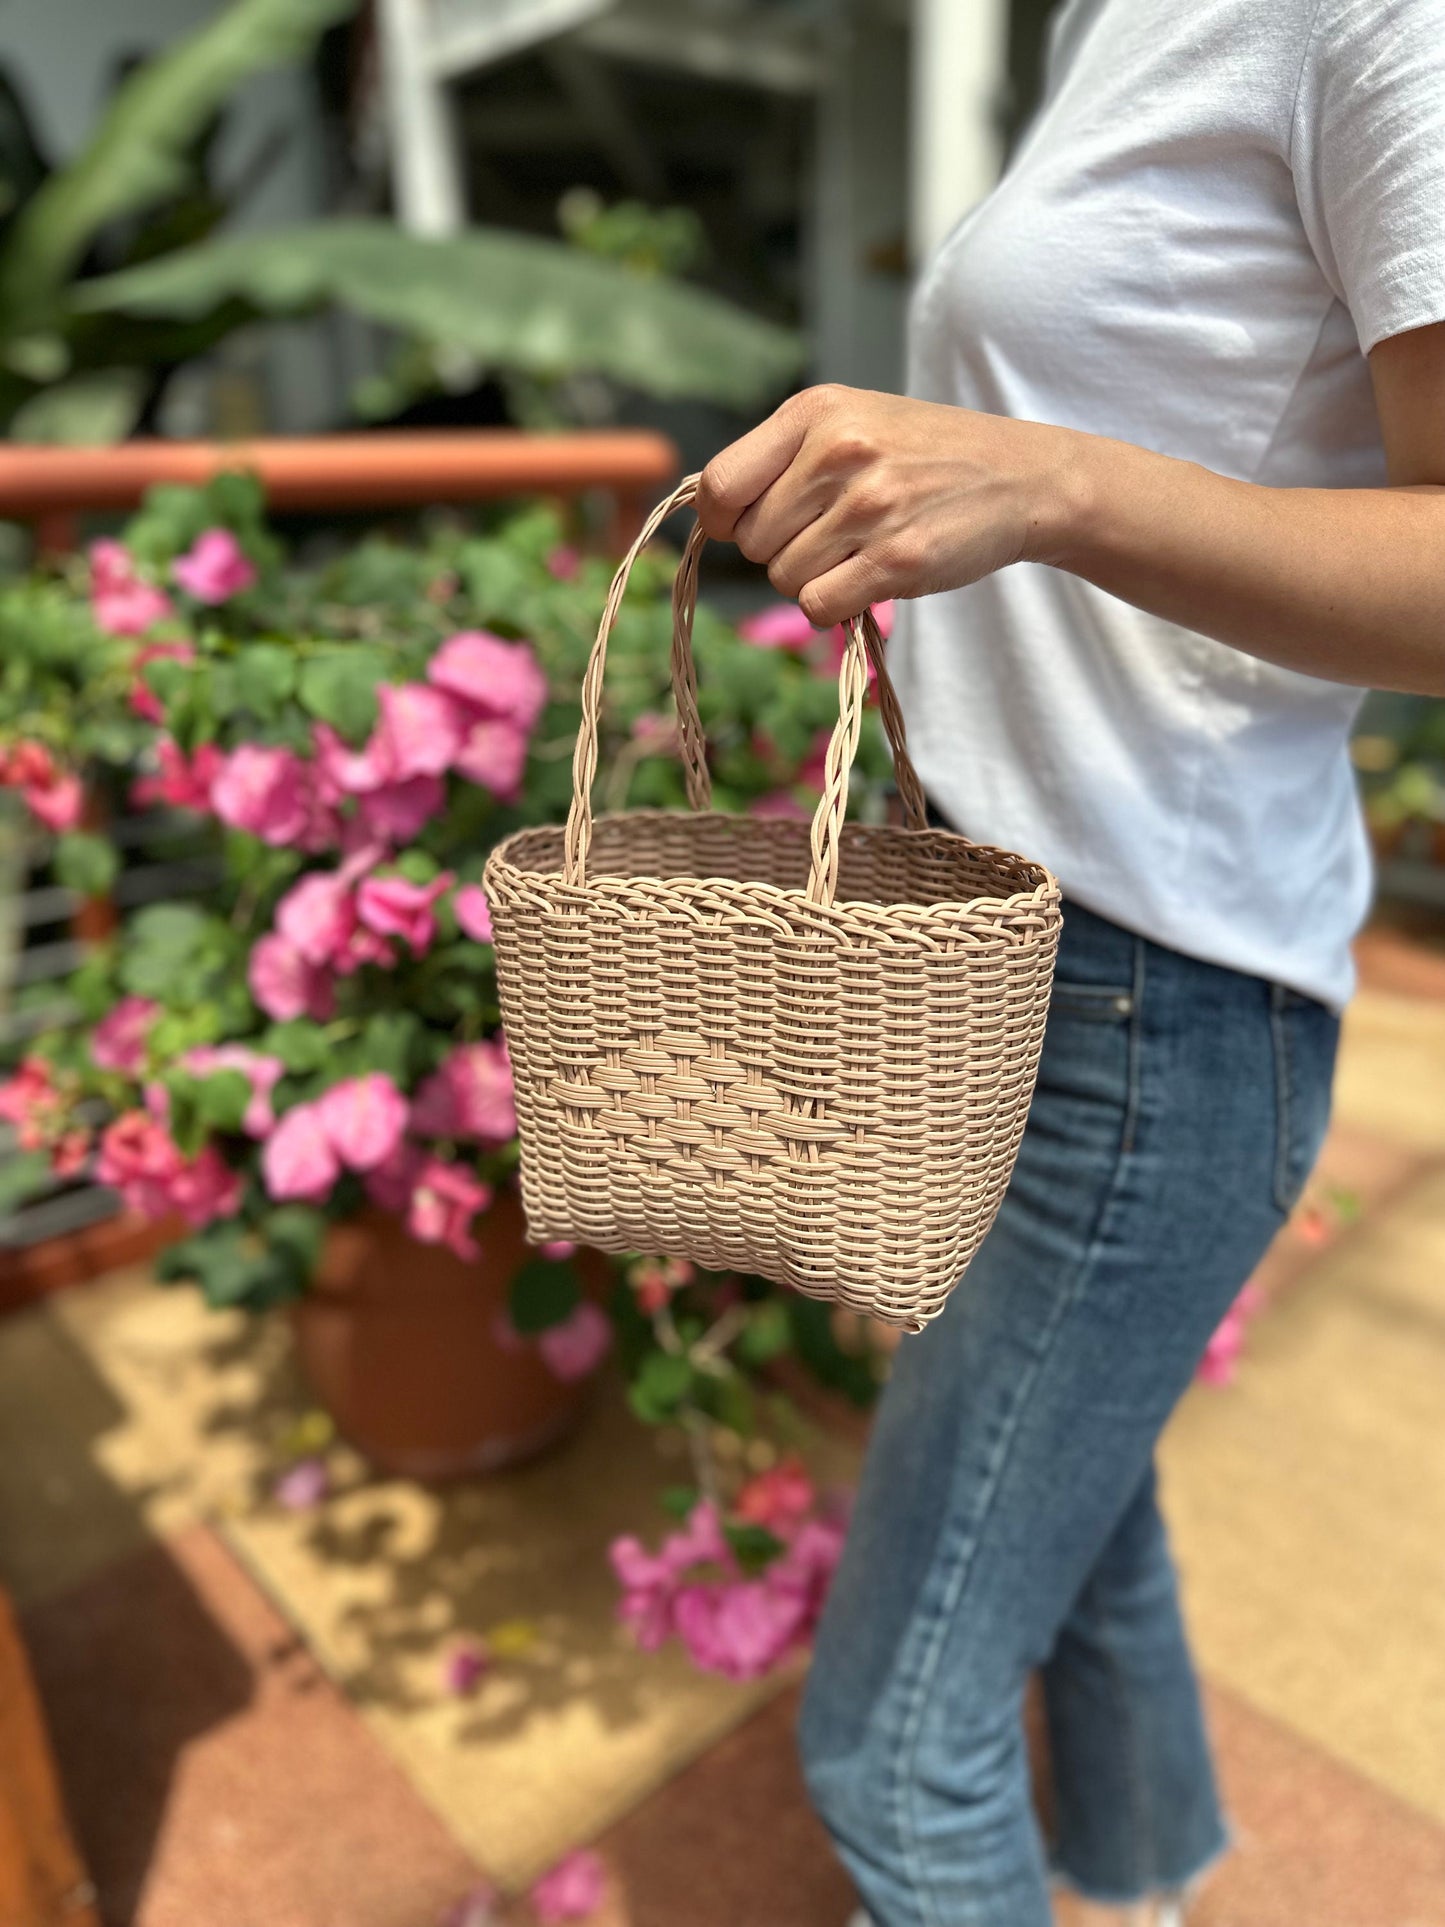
point(320, 1035)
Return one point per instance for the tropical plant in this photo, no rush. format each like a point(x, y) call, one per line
point(79, 349)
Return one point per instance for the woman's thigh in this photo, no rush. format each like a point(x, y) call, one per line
point(1177, 1112)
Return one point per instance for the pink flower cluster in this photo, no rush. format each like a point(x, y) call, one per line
point(122, 602)
point(118, 1042)
point(31, 1101)
point(214, 568)
point(52, 795)
point(181, 782)
point(330, 923)
point(572, 1890)
point(474, 715)
point(357, 1125)
point(739, 1626)
point(141, 1160)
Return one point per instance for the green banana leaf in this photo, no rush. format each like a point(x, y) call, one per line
point(137, 155)
point(511, 300)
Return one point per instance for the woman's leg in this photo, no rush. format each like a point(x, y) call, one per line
point(1176, 1106)
point(1136, 1808)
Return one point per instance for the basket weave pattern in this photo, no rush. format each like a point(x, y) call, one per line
point(805, 1051)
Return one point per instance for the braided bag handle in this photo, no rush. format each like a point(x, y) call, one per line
point(864, 645)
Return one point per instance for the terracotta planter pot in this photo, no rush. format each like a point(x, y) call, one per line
point(398, 1342)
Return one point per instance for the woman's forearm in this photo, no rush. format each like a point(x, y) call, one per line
point(1343, 583)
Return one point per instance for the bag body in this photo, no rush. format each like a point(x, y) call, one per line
point(800, 1050)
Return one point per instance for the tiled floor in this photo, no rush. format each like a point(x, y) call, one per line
point(219, 1777)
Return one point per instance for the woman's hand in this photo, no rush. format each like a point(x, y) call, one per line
point(850, 497)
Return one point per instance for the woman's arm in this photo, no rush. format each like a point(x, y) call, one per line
point(850, 497)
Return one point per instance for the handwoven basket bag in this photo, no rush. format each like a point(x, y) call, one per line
point(801, 1052)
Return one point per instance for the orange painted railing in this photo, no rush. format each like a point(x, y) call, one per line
point(49, 487)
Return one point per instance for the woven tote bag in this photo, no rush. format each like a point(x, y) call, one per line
point(804, 1052)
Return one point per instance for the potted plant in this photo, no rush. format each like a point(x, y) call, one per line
point(303, 1070)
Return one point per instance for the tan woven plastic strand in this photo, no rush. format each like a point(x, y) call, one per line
point(803, 1051)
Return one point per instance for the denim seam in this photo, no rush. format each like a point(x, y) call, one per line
point(1283, 1099)
point(1136, 1051)
point(904, 1820)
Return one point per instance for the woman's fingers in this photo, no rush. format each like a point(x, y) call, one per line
point(844, 590)
point(735, 479)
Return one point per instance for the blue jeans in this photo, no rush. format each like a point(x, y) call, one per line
point(1007, 1520)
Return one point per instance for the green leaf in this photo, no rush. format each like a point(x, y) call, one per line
point(232, 1267)
point(663, 1381)
point(265, 676)
point(300, 1044)
point(388, 1043)
point(140, 152)
point(297, 1233)
point(340, 688)
point(766, 1334)
point(97, 408)
point(167, 679)
point(679, 1500)
point(24, 1175)
point(543, 1293)
point(753, 1546)
point(222, 1098)
point(512, 300)
point(85, 863)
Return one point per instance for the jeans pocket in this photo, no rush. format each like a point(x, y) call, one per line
point(1304, 1035)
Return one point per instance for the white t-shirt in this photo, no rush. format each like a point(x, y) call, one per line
point(1221, 207)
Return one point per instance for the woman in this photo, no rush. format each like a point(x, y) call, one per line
point(1168, 494)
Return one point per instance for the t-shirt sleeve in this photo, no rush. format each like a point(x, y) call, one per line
point(1368, 154)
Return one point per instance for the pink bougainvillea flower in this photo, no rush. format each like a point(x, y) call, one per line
point(780, 803)
point(779, 1498)
point(564, 562)
point(70, 1153)
point(214, 568)
point(121, 603)
point(351, 772)
point(655, 734)
point(654, 1280)
point(473, 912)
point(395, 907)
point(476, 1908)
point(118, 1042)
point(573, 1890)
point(1222, 1354)
point(265, 790)
point(558, 1249)
point(299, 1160)
point(317, 917)
point(739, 1628)
point(181, 784)
point(302, 1485)
point(464, 1667)
point(364, 1118)
point(58, 803)
point(206, 1188)
point(143, 699)
point(261, 1071)
point(396, 812)
point(445, 1199)
point(421, 729)
point(285, 985)
point(782, 625)
point(494, 677)
point(494, 756)
point(470, 1095)
point(30, 1096)
point(141, 1160)
point(575, 1348)
point(390, 1183)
